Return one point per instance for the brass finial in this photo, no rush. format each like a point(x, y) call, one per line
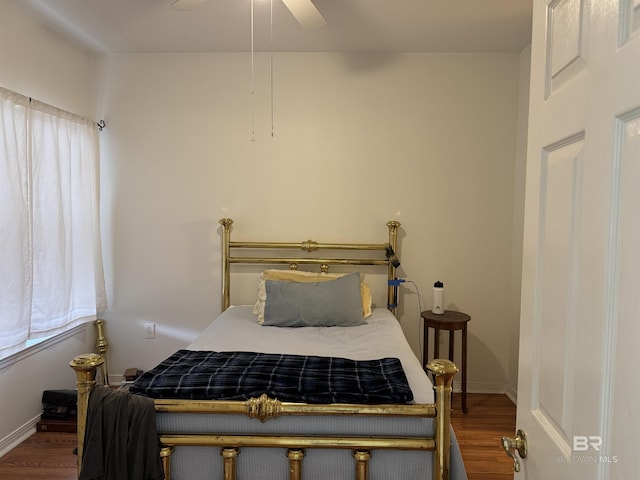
point(440, 366)
point(226, 223)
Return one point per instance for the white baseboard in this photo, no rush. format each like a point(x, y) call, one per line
point(512, 394)
point(18, 436)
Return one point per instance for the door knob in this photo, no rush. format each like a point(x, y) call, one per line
point(513, 445)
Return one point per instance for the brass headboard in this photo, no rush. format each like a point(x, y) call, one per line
point(386, 257)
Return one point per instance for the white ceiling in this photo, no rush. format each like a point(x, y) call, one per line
point(352, 25)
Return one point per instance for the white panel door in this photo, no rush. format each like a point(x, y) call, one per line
point(579, 386)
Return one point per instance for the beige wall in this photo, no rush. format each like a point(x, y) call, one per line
point(36, 62)
point(429, 140)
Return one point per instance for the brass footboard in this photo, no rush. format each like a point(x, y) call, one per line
point(265, 408)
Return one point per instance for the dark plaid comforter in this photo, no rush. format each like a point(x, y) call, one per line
point(200, 375)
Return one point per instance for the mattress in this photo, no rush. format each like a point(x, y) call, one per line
point(237, 330)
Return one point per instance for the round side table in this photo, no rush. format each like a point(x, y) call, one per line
point(450, 321)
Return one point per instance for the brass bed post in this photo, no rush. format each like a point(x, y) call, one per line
point(443, 370)
point(392, 293)
point(102, 345)
point(226, 270)
point(86, 367)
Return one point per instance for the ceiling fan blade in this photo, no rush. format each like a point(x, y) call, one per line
point(186, 4)
point(306, 14)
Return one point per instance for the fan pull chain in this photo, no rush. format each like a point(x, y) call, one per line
point(271, 64)
point(253, 88)
point(253, 75)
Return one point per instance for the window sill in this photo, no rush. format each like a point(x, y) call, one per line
point(42, 345)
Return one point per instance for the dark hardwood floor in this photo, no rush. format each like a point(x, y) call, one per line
point(49, 455)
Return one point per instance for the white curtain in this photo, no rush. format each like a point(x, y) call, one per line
point(50, 252)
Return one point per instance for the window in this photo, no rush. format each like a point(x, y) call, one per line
point(50, 253)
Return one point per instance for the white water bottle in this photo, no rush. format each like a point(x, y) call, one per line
point(438, 298)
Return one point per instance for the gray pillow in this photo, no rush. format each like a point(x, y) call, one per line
point(316, 304)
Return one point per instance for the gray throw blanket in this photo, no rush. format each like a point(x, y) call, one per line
point(121, 440)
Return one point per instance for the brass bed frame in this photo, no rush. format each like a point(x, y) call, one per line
point(264, 408)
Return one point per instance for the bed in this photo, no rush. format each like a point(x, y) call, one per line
point(281, 423)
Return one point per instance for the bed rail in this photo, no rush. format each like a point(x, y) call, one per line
point(387, 256)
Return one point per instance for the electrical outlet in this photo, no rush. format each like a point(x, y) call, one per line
point(149, 330)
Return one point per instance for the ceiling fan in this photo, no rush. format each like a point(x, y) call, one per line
point(304, 11)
